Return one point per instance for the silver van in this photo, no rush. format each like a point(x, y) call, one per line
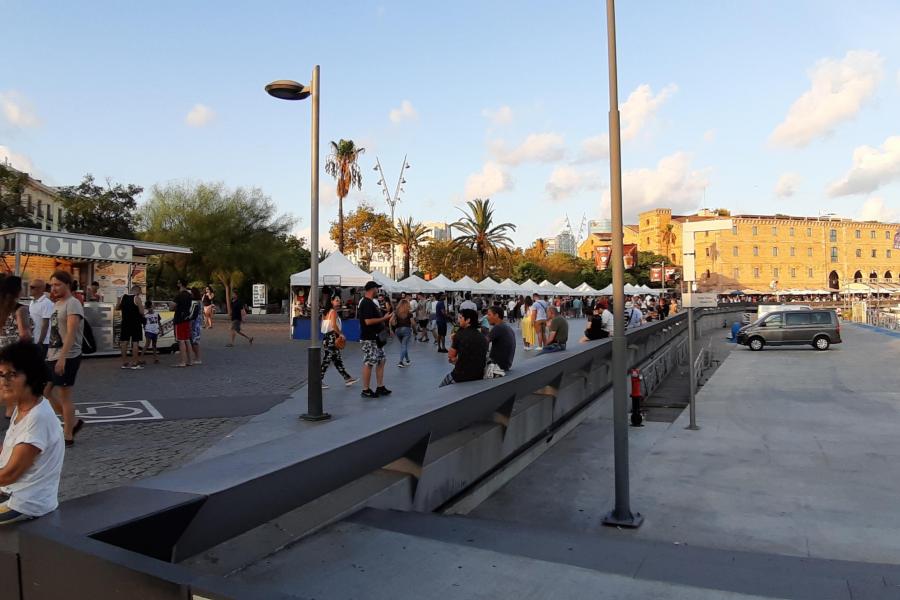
point(819, 328)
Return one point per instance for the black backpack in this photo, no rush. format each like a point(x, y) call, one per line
point(88, 343)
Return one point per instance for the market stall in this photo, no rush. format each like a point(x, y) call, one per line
point(114, 264)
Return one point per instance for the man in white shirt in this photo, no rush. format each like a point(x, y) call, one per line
point(633, 316)
point(539, 316)
point(41, 310)
point(468, 303)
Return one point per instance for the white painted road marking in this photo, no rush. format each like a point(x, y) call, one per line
point(114, 412)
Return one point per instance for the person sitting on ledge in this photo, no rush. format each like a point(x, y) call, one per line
point(32, 457)
point(559, 332)
point(469, 350)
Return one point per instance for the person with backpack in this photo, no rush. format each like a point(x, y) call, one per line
point(67, 332)
point(131, 330)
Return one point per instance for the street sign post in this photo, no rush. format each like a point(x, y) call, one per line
point(699, 300)
point(260, 297)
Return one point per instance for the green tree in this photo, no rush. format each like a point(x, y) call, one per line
point(480, 234)
point(365, 232)
point(342, 165)
point(12, 212)
point(234, 234)
point(641, 270)
point(447, 258)
point(408, 235)
point(97, 210)
point(528, 270)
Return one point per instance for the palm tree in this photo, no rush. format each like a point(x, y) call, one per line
point(323, 254)
point(668, 237)
point(342, 165)
point(408, 235)
point(479, 232)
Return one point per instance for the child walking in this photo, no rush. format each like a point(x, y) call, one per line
point(151, 330)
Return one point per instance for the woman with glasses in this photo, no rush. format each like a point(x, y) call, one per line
point(32, 457)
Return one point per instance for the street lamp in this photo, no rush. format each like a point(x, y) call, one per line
point(285, 89)
point(391, 200)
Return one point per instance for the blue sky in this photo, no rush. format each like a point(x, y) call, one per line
point(759, 107)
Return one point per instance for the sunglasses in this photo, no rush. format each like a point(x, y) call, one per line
point(8, 376)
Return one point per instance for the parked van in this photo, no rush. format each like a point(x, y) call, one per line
point(819, 328)
point(764, 309)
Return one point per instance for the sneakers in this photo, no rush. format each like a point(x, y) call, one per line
point(382, 391)
point(408, 362)
point(367, 393)
point(351, 381)
point(442, 350)
point(136, 367)
point(401, 364)
point(325, 386)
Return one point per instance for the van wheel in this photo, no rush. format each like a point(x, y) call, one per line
point(821, 343)
point(756, 344)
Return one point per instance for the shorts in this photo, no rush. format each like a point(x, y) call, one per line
point(196, 326)
point(372, 354)
point(67, 379)
point(442, 328)
point(151, 337)
point(183, 331)
point(236, 326)
point(423, 323)
point(131, 335)
point(44, 349)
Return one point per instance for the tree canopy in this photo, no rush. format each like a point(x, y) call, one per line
point(12, 212)
point(366, 232)
point(94, 209)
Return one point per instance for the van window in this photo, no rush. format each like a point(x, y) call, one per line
point(797, 318)
point(821, 317)
point(774, 320)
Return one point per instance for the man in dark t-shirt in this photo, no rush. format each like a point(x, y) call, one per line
point(371, 324)
point(502, 339)
point(182, 323)
point(468, 352)
point(238, 310)
point(440, 319)
point(559, 332)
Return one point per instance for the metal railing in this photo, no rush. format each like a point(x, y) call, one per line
point(883, 319)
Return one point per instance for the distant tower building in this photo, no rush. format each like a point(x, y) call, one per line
point(437, 231)
point(565, 243)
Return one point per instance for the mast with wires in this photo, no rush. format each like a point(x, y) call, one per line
point(392, 200)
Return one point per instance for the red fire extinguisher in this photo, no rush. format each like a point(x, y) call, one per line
point(636, 397)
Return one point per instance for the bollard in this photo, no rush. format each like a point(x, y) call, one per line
point(636, 418)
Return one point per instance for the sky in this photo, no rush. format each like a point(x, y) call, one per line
point(760, 107)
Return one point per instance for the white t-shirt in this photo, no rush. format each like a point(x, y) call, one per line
point(152, 322)
point(635, 316)
point(36, 492)
point(607, 321)
point(468, 304)
point(327, 327)
point(41, 309)
point(540, 310)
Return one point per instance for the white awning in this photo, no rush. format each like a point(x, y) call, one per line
point(336, 269)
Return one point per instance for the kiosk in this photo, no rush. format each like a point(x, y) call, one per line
point(115, 264)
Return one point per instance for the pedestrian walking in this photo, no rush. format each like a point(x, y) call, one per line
point(32, 457)
point(422, 319)
point(151, 331)
point(209, 307)
point(131, 330)
point(527, 324)
point(64, 353)
point(401, 323)
point(468, 353)
point(440, 318)
point(373, 337)
point(333, 343)
point(196, 318)
point(238, 312)
point(40, 311)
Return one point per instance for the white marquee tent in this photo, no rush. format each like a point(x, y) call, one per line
point(387, 284)
point(444, 283)
point(414, 283)
point(466, 284)
point(510, 287)
point(336, 269)
point(487, 286)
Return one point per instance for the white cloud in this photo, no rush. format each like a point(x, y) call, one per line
point(500, 116)
point(838, 90)
point(491, 180)
point(594, 148)
point(18, 161)
point(199, 116)
point(565, 181)
point(406, 112)
point(709, 136)
point(641, 107)
point(787, 185)
point(874, 209)
point(537, 147)
point(17, 110)
point(872, 168)
point(672, 183)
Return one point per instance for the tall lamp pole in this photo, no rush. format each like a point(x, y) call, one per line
point(621, 515)
point(284, 89)
point(392, 201)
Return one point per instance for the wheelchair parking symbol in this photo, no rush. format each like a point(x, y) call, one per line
point(114, 412)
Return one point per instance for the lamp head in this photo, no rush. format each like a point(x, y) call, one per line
point(285, 89)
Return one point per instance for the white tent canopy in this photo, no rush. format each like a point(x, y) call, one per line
point(466, 284)
point(564, 288)
point(510, 287)
point(388, 284)
point(587, 290)
point(336, 269)
point(414, 283)
point(487, 286)
point(528, 286)
point(444, 283)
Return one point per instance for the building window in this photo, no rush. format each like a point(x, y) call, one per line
point(707, 253)
point(737, 274)
point(874, 253)
point(793, 273)
point(793, 251)
point(774, 250)
point(755, 250)
point(809, 251)
point(775, 272)
point(707, 273)
point(734, 250)
point(858, 253)
point(774, 230)
point(734, 230)
point(647, 223)
point(858, 234)
point(872, 234)
point(888, 253)
point(832, 236)
point(834, 254)
point(705, 234)
point(755, 230)
point(756, 272)
point(809, 232)
point(791, 232)
point(887, 235)
point(648, 240)
point(809, 273)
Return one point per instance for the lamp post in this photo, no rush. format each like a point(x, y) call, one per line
point(392, 201)
point(284, 89)
point(621, 515)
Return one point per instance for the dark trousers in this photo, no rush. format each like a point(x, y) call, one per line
point(333, 355)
